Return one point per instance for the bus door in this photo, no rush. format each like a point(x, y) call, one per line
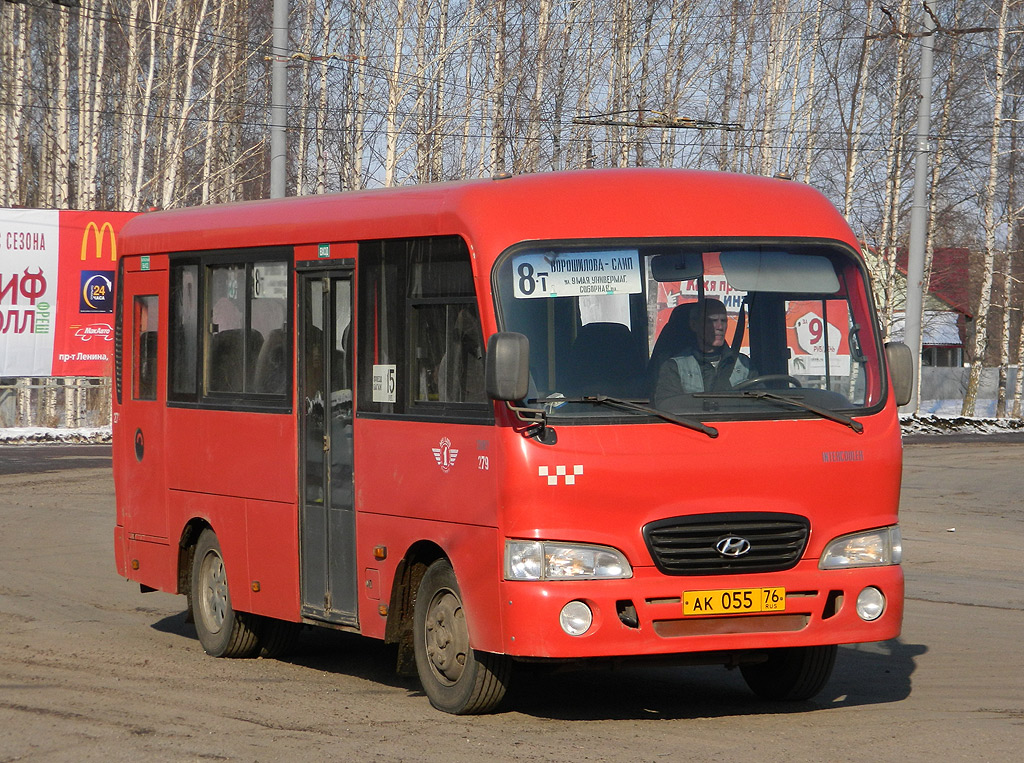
point(141, 417)
point(327, 514)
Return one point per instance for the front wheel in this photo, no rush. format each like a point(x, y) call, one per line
point(455, 677)
point(277, 637)
point(793, 673)
point(222, 631)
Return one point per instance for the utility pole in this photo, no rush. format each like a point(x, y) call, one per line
point(919, 209)
point(278, 100)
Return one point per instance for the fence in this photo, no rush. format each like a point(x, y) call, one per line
point(943, 389)
point(78, 401)
point(54, 402)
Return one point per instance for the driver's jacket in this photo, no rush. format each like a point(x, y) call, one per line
point(692, 380)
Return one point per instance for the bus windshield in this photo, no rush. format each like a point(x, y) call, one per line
point(720, 332)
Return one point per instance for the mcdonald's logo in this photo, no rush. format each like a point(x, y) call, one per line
point(99, 235)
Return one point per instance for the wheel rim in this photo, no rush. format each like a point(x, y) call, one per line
point(213, 600)
point(446, 637)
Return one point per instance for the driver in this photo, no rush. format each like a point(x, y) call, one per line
point(710, 366)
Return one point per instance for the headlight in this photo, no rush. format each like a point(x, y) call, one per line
point(875, 548)
point(545, 560)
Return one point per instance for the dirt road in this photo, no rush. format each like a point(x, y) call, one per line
point(90, 669)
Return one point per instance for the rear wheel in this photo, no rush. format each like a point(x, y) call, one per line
point(794, 673)
point(455, 677)
point(222, 631)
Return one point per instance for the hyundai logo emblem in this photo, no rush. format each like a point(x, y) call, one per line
point(733, 546)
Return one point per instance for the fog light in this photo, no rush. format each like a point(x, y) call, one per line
point(870, 604)
point(575, 618)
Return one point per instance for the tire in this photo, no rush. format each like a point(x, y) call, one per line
point(277, 638)
point(222, 631)
point(791, 674)
point(456, 678)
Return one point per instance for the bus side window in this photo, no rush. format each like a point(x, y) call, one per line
point(248, 306)
point(184, 332)
point(449, 353)
point(461, 372)
point(272, 369)
point(228, 344)
point(144, 335)
point(419, 323)
point(268, 369)
point(229, 339)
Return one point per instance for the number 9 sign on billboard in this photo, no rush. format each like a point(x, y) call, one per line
point(808, 335)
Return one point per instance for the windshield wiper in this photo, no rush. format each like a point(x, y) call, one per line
point(825, 413)
point(640, 407)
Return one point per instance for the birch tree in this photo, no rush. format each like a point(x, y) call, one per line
point(422, 109)
point(16, 51)
point(934, 187)
point(216, 60)
point(145, 104)
point(130, 99)
point(810, 109)
point(1008, 308)
point(852, 120)
point(989, 198)
point(771, 84)
point(90, 107)
point(468, 89)
point(1011, 307)
point(356, 123)
point(498, 83)
point(725, 155)
point(531, 152)
point(888, 241)
point(395, 91)
point(306, 93)
point(177, 127)
point(320, 136)
point(438, 118)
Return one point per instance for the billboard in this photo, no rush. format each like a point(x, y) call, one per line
point(57, 291)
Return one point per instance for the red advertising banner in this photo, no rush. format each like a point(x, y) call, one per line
point(57, 291)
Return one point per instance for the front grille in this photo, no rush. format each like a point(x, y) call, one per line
point(687, 545)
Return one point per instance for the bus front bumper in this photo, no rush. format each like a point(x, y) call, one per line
point(644, 615)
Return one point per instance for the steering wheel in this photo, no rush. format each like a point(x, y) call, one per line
point(767, 378)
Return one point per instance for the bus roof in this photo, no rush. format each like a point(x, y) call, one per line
point(496, 213)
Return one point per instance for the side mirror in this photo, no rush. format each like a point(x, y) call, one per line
point(901, 369)
point(507, 371)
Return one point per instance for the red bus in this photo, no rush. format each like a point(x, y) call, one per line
point(598, 414)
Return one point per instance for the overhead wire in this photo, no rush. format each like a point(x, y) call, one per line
point(379, 70)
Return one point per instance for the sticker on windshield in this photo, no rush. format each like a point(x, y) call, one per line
point(576, 274)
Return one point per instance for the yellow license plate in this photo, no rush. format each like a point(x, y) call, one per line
point(731, 601)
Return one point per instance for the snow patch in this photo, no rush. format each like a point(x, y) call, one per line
point(51, 435)
point(940, 425)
